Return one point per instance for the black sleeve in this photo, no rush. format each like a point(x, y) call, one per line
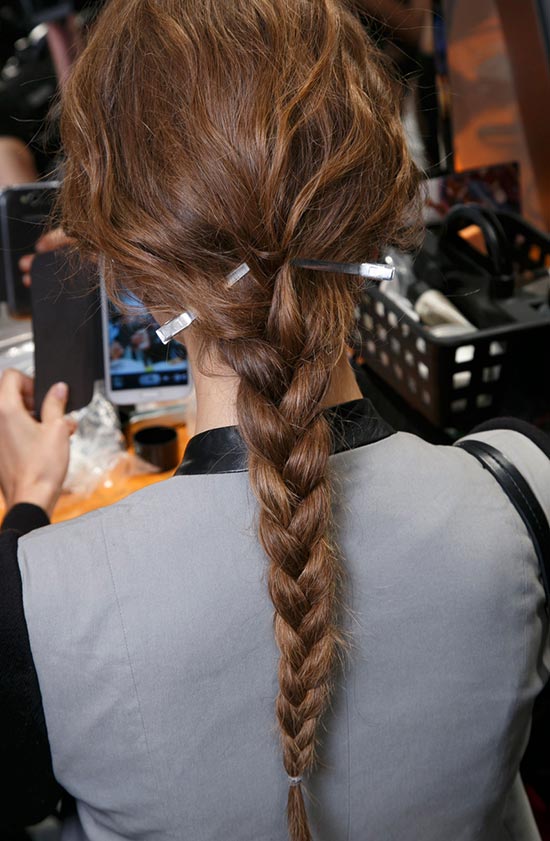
point(25, 517)
point(28, 791)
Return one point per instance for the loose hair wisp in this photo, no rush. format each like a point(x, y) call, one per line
point(202, 134)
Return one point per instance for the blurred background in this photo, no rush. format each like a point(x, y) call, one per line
point(461, 336)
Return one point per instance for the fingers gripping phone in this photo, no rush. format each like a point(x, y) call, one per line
point(24, 213)
point(138, 367)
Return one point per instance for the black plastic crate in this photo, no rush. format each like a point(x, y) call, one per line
point(458, 381)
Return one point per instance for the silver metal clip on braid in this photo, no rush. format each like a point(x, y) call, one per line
point(370, 271)
point(294, 781)
point(171, 328)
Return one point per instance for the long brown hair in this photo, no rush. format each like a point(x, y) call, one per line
point(200, 134)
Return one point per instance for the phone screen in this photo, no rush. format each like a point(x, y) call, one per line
point(137, 358)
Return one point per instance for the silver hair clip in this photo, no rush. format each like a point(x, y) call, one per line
point(294, 781)
point(171, 328)
point(370, 271)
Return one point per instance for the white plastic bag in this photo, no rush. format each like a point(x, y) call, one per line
point(96, 446)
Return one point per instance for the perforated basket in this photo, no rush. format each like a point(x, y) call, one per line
point(458, 381)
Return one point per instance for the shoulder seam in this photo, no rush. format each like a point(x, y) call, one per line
point(132, 672)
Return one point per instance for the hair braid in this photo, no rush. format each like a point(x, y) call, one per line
point(289, 440)
point(201, 134)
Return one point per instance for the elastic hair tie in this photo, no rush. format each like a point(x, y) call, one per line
point(294, 781)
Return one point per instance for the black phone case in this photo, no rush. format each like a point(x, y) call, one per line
point(3, 293)
point(24, 213)
point(66, 316)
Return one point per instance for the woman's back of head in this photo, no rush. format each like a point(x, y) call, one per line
point(203, 134)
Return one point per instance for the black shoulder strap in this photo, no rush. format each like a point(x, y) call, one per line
point(522, 498)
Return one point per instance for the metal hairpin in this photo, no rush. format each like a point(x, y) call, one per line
point(370, 271)
point(171, 328)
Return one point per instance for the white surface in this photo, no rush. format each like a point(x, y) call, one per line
point(16, 343)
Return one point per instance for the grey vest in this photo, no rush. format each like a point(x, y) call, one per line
point(151, 631)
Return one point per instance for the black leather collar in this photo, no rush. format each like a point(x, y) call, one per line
point(222, 450)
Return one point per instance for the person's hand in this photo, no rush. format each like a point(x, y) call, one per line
point(34, 456)
point(50, 241)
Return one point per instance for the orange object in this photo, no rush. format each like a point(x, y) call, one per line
point(115, 486)
point(473, 235)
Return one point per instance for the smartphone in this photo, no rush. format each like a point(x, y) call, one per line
point(66, 323)
point(138, 367)
point(24, 216)
point(3, 292)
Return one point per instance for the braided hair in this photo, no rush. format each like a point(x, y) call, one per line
point(201, 134)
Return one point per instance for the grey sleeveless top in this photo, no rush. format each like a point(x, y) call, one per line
point(151, 632)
